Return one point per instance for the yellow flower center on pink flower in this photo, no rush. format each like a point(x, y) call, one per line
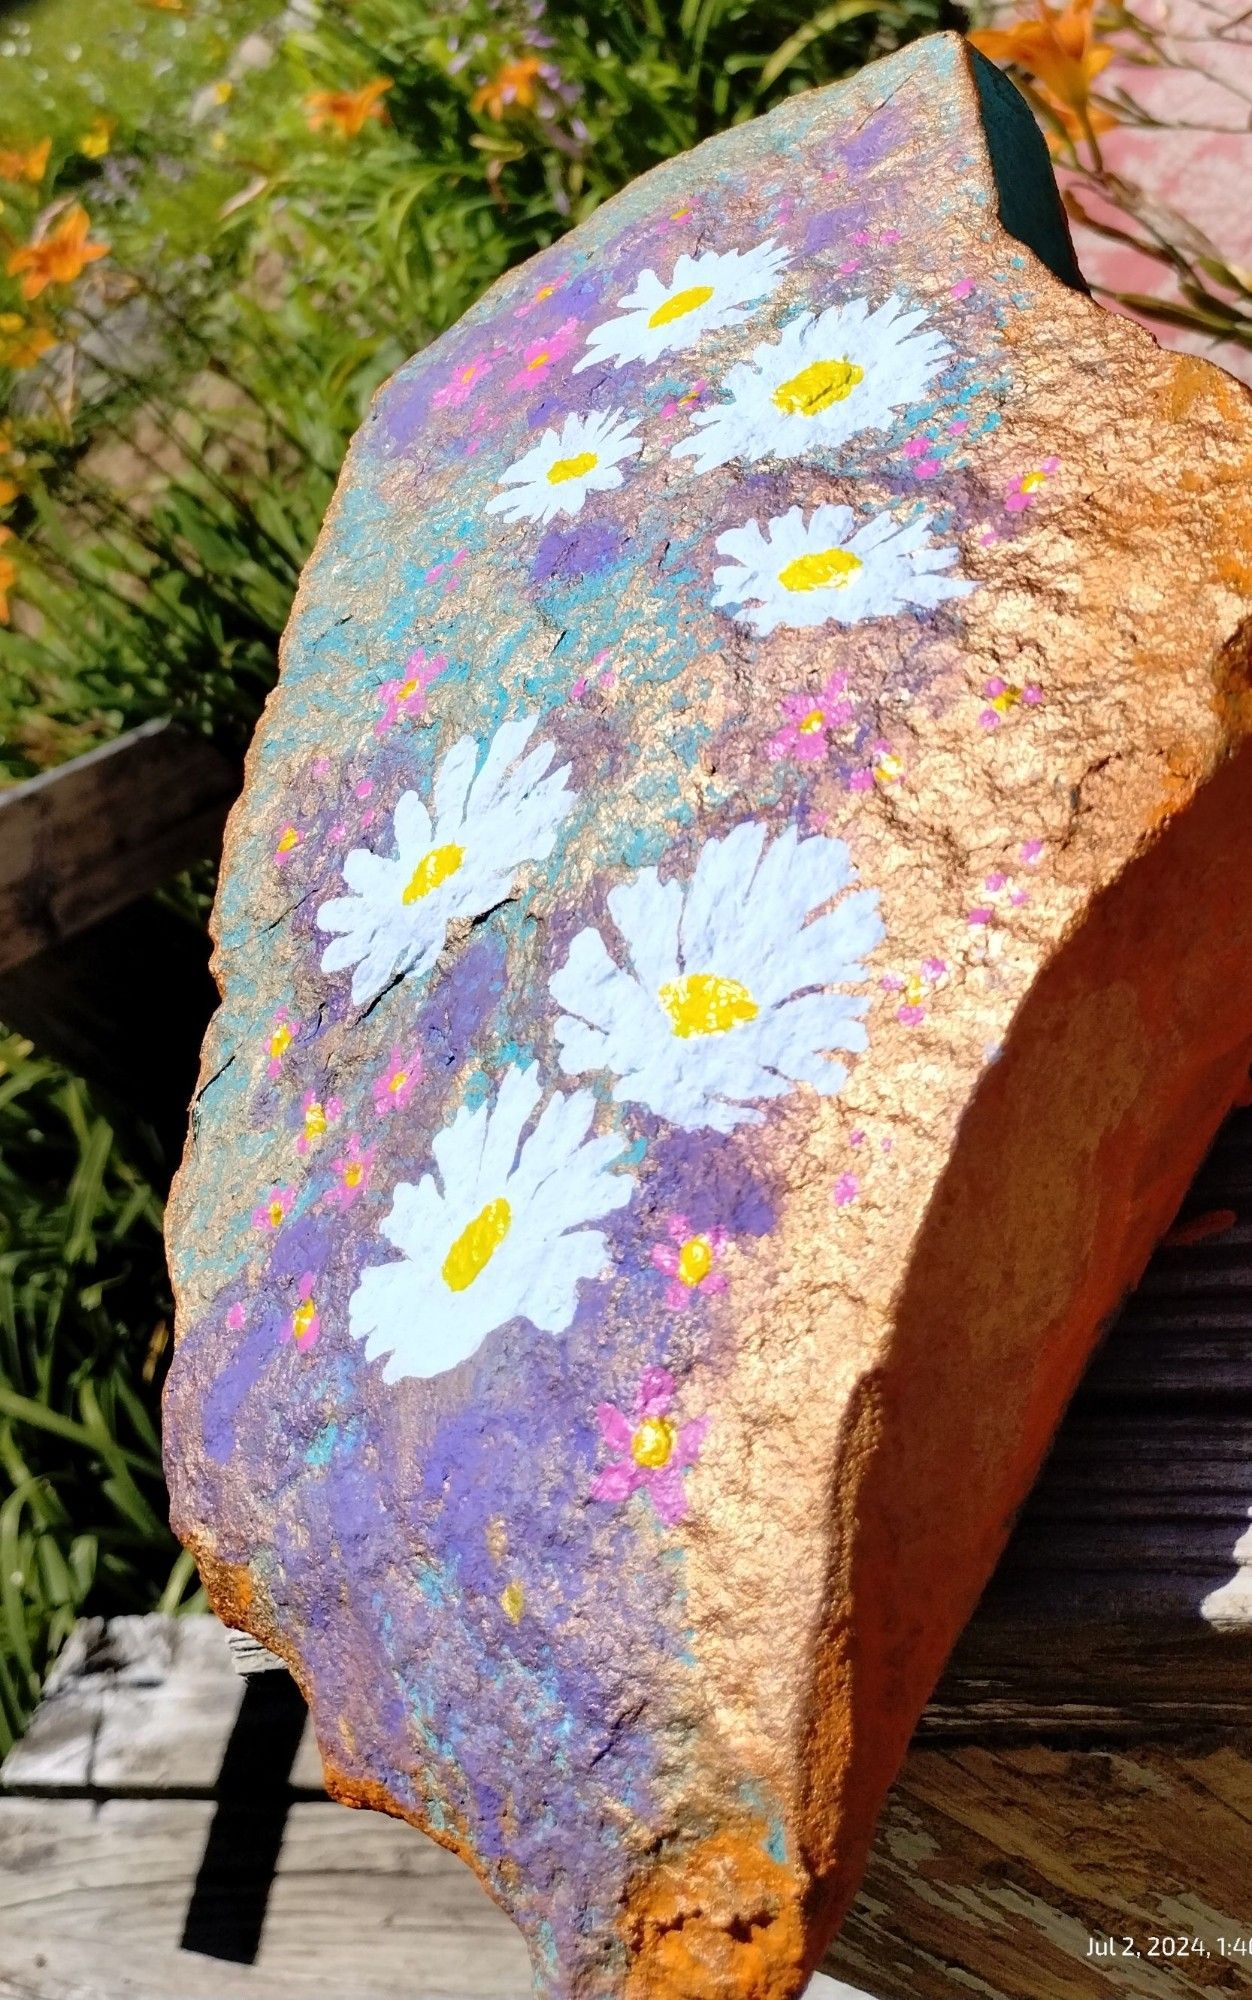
point(1033, 481)
point(288, 839)
point(280, 1040)
point(314, 1121)
point(888, 770)
point(431, 870)
point(1006, 699)
point(680, 305)
point(816, 387)
point(407, 689)
point(539, 360)
point(302, 1320)
point(914, 991)
point(812, 722)
point(653, 1443)
point(695, 1261)
point(562, 469)
point(353, 1174)
point(397, 1080)
point(476, 1245)
point(701, 1003)
point(275, 1212)
point(513, 1602)
point(822, 569)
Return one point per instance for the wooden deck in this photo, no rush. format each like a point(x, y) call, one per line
point(1082, 1778)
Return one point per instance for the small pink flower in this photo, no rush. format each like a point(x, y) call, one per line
point(809, 721)
point(1031, 851)
point(273, 1212)
point(981, 915)
point(352, 1172)
point(962, 288)
point(861, 781)
point(688, 1260)
point(651, 1452)
point(677, 404)
point(845, 1190)
point(406, 696)
point(538, 356)
point(447, 572)
point(456, 390)
point(856, 1138)
point(304, 1325)
point(547, 290)
point(1003, 697)
point(1022, 491)
point(282, 1033)
point(288, 841)
point(236, 1316)
point(928, 468)
point(918, 447)
point(321, 767)
point(393, 1090)
point(316, 1116)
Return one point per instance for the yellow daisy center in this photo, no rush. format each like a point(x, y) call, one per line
point(353, 1174)
point(695, 1261)
point(539, 360)
point(701, 1003)
point(314, 1120)
point(914, 991)
point(302, 1319)
point(407, 689)
point(280, 1040)
point(288, 839)
point(476, 1245)
point(275, 1213)
point(562, 469)
point(653, 1443)
point(822, 569)
point(397, 1080)
point(816, 387)
point(680, 305)
point(1033, 481)
point(431, 870)
point(812, 722)
point(513, 1602)
point(1006, 699)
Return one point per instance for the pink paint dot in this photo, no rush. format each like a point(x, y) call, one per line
point(989, 719)
point(959, 428)
point(364, 788)
point(995, 881)
point(321, 766)
point(1032, 696)
point(988, 537)
point(861, 781)
point(608, 680)
point(926, 468)
point(235, 1317)
point(856, 1138)
point(367, 819)
point(1031, 850)
point(853, 264)
point(579, 688)
point(337, 831)
point(982, 915)
point(601, 657)
point(1020, 896)
point(888, 236)
point(962, 288)
point(911, 1016)
point(917, 447)
point(845, 1190)
point(860, 236)
point(887, 1145)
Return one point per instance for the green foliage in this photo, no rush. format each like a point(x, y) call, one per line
point(84, 1316)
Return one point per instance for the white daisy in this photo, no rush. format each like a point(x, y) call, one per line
point(806, 573)
point(704, 293)
point(826, 378)
point(727, 998)
point(556, 475)
point(494, 1235)
point(486, 824)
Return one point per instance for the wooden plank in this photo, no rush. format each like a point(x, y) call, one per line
point(996, 1874)
point(97, 833)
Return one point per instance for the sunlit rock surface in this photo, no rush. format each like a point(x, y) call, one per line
point(735, 936)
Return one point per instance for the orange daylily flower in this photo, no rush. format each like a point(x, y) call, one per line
point(1059, 49)
point(30, 165)
point(59, 256)
point(346, 111)
point(1095, 120)
point(8, 577)
point(515, 86)
point(22, 341)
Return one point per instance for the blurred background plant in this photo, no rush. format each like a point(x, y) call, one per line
point(222, 224)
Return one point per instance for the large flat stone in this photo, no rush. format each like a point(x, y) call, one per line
point(737, 934)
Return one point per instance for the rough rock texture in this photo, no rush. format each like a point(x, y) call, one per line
point(738, 930)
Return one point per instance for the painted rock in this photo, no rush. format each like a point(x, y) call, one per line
point(737, 933)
